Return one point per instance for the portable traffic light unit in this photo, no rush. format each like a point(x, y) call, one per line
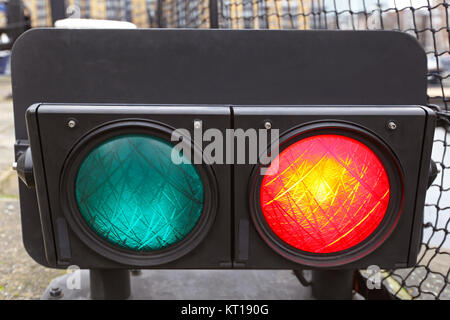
point(346, 186)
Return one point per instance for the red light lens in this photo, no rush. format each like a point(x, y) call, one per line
point(329, 193)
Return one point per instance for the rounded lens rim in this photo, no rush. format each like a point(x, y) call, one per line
point(369, 244)
point(107, 249)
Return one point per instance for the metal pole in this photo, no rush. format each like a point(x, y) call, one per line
point(213, 14)
point(15, 18)
point(110, 284)
point(332, 284)
point(58, 8)
point(159, 14)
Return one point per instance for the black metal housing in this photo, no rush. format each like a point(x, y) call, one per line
point(396, 242)
point(58, 150)
point(132, 69)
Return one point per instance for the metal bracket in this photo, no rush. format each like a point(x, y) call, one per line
point(24, 163)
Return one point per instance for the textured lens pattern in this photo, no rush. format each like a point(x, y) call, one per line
point(329, 193)
point(131, 194)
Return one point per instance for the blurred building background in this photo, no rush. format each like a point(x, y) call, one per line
point(406, 15)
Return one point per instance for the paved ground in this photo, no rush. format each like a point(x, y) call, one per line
point(22, 278)
point(8, 180)
point(198, 285)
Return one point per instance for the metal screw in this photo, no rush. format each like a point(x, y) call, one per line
point(392, 125)
point(55, 292)
point(14, 166)
point(268, 125)
point(197, 124)
point(71, 124)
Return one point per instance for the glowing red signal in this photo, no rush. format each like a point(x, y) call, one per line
point(329, 193)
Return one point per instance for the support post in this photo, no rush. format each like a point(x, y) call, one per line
point(15, 19)
point(159, 14)
point(58, 9)
point(213, 14)
point(110, 284)
point(332, 284)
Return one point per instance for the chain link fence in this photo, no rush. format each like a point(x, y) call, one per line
point(427, 20)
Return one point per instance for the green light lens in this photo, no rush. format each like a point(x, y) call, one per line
point(131, 194)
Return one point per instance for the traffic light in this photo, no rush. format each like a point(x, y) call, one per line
point(137, 148)
point(342, 192)
point(115, 194)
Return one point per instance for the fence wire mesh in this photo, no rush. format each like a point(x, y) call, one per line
point(427, 20)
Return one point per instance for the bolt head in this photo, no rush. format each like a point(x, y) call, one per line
point(71, 124)
point(268, 125)
point(55, 292)
point(392, 125)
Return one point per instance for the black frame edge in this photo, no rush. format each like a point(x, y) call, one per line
point(31, 118)
point(427, 147)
